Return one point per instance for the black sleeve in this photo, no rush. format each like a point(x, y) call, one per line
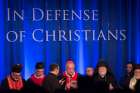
point(47, 85)
point(28, 83)
point(4, 84)
point(137, 87)
point(29, 86)
point(51, 85)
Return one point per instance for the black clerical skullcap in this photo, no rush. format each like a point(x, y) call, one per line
point(39, 65)
point(17, 68)
point(102, 63)
point(137, 66)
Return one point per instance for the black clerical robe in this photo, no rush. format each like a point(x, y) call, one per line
point(137, 87)
point(51, 84)
point(124, 83)
point(85, 84)
point(34, 85)
point(101, 85)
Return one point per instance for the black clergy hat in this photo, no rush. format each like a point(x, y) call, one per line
point(17, 68)
point(102, 63)
point(39, 65)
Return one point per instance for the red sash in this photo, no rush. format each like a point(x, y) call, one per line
point(15, 85)
point(70, 79)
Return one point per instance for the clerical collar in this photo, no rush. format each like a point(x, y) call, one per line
point(53, 74)
point(69, 75)
point(42, 76)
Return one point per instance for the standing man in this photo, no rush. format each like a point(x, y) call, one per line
point(125, 80)
point(14, 82)
point(89, 71)
point(85, 82)
point(51, 83)
point(71, 83)
point(104, 81)
point(34, 83)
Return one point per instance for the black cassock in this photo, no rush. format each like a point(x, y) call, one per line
point(124, 83)
point(31, 87)
point(137, 87)
point(1, 90)
point(101, 85)
point(85, 84)
point(5, 87)
point(51, 84)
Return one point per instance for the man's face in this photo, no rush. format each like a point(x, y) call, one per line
point(129, 68)
point(89, 71)
point(39, 72)
point(16, 76)
point(70, 68)
point(137, 73)
point(102, 71)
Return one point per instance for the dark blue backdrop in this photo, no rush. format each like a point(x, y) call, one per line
point(119, 13)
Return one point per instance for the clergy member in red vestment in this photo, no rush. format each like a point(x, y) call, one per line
point(34, 83)
point(71, 76)
point(14, 82)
